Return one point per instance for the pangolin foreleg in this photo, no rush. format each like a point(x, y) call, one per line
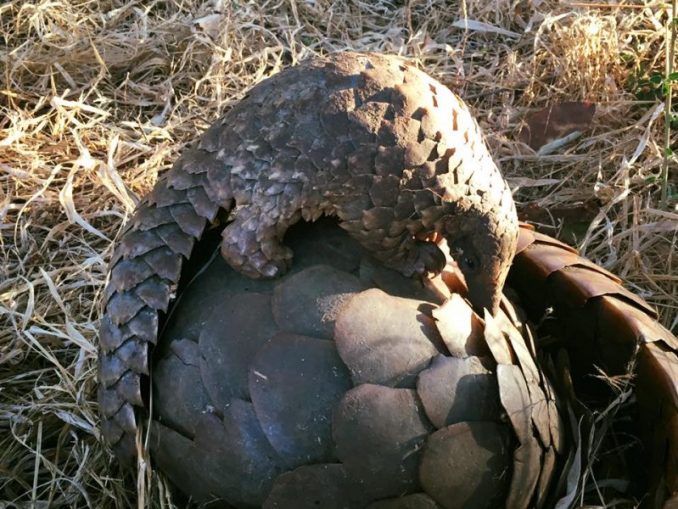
point(252, 242)
point(397, 248)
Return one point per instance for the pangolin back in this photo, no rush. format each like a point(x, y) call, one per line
point(363, 136)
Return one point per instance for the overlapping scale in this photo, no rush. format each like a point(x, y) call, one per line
point(404, 403)
point(604, 327)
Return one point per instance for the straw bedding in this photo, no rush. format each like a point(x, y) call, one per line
point(98, 97)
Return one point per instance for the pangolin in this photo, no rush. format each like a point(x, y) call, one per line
point(368, 138)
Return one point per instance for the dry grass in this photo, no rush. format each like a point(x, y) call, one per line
point(97, 97)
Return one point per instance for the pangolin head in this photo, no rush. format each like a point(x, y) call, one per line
point(482, 239)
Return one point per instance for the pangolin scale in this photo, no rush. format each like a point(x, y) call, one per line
point(368, 138)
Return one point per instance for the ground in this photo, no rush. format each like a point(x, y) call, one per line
point(98, 97)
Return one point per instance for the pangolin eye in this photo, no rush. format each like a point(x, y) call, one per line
point(470, 262)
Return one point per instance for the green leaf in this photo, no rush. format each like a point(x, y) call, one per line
point(656, 78)
point(673, 76)
point(668, 152)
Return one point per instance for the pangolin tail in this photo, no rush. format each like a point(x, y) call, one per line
point(145, 271)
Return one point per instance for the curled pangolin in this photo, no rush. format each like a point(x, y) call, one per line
point(368, 138)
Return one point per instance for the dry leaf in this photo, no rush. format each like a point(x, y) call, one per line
point(556, 121)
